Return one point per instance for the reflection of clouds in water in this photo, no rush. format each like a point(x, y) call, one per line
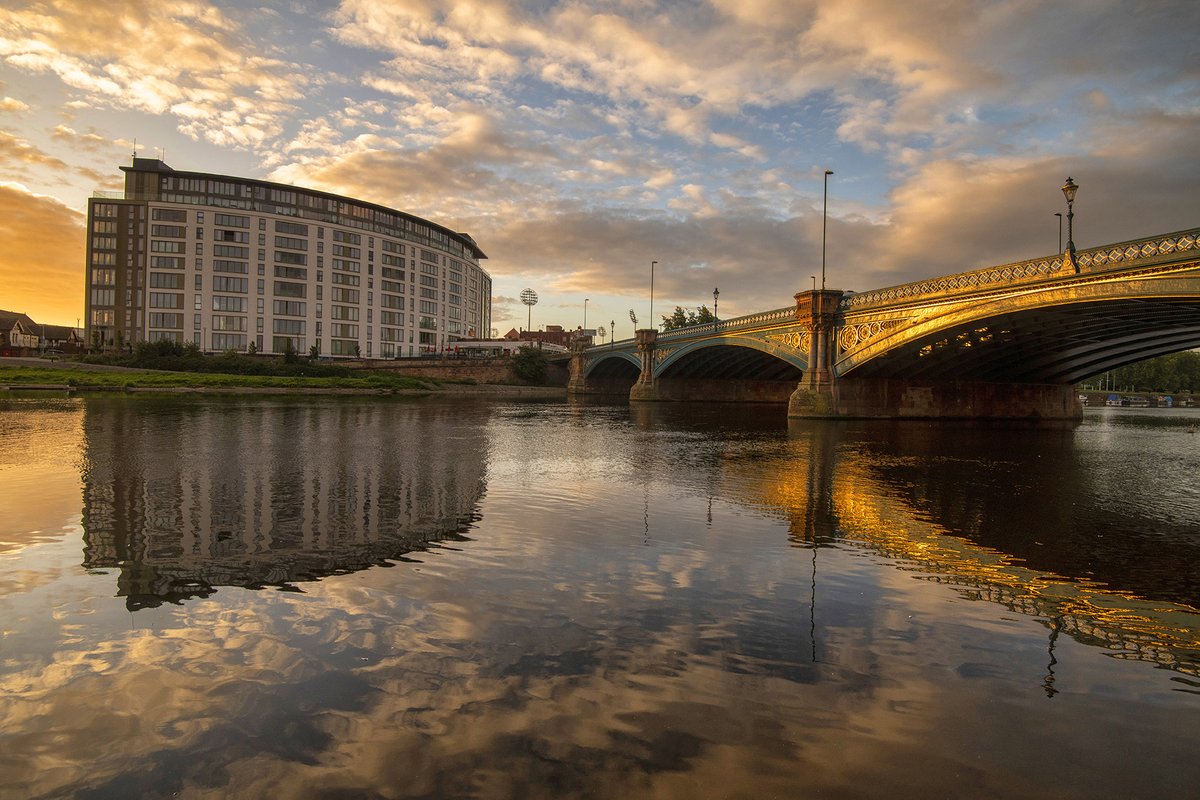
point(589, 686)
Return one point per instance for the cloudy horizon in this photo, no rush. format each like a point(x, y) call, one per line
point(579, 141)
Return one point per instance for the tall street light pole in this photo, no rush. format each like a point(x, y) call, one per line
point(585, 302)
point(716, 294)
point(652, 265)
point(824, 224)
point(1069, 189)
point(612, 339)
point(1059, 215)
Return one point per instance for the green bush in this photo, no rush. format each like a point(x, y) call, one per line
point(530, 364)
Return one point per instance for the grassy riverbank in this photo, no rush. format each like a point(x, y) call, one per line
point(86, 376)
point(27, 373)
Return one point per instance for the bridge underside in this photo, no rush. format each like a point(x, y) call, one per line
point(731, 363)
point(613, 376)
point(1054, 345)
point(715, 370)
point(726, 373)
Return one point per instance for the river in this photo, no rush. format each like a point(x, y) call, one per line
point(208, 597)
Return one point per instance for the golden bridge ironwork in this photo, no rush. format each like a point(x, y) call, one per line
point(912, 349)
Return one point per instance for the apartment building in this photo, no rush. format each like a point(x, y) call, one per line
point(241, 264)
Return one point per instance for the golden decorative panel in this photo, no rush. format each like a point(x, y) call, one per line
point(853, 336)
point(797, 340)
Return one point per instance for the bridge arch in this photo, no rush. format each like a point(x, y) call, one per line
point(741, 357)
point(613, 364)
point(1059, 333)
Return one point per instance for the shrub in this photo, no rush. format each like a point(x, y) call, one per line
point(529, 364)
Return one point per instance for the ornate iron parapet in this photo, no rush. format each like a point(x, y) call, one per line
point(1027, 271)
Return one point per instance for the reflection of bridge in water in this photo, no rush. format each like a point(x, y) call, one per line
point(1006, 341)
point(907, 523)
point(271, 496)
point(845, 490)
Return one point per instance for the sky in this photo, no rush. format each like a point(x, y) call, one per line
point(577, 142)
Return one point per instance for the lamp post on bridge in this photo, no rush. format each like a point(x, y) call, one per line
point(824, 224)
point(716, 294)
point(612, 340)
point(652, 265)
point(1069, 189)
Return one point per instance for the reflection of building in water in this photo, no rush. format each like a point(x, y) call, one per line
point(186, 495)
point(838, 489)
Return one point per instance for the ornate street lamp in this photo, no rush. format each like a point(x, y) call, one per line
point(716, 294)
point(1069, 189)
point(585, 302)
point(612, 339)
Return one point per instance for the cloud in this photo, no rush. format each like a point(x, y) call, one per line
point(469, 166)
point(43, 266)
point(91, 140)
point(21, 152)
point(678, 68)
point(187, 59)
point(12, 105)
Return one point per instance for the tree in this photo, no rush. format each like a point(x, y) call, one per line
point(1174, 372)
point(685, 319)
point(530, 364)
point(314, 352)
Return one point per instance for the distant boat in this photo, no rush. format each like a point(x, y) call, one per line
point(1139, 402)
point(1113, 401)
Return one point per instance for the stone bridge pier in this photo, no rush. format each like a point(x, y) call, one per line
point(814, 397)
point(646, 387)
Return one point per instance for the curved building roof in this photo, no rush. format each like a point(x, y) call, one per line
point(282, 198)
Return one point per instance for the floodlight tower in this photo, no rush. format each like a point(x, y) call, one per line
point(529, 298)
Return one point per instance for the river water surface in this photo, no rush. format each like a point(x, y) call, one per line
point(330, 598)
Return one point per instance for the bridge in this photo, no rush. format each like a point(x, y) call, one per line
point(1008, 341)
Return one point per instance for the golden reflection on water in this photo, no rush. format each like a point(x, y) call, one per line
point(40, 452)
point(869, 514)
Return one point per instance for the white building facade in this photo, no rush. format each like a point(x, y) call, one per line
point(246, 265)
